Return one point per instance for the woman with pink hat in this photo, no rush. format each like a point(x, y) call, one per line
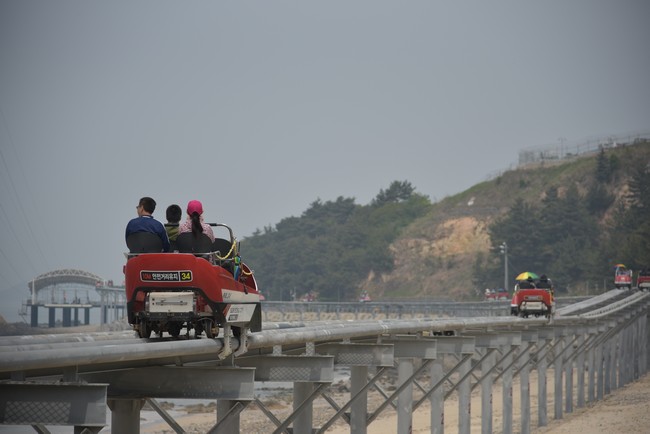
point(194, 222)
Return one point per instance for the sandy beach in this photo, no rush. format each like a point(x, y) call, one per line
point(625, 410)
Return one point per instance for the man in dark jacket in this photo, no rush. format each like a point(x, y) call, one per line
point(145, 222)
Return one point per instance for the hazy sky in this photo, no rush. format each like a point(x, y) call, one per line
point(259, 108)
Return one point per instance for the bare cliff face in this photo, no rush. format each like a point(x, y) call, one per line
point(436, 263)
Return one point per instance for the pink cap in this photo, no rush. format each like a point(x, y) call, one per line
point(194, 207)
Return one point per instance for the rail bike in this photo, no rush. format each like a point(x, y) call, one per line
point(202, 286)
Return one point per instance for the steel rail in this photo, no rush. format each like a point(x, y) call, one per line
point(126, 337)
point(618, 305)
point(317, 334)
point(51, 361)
point(11, 341)
point(590, 303)
point(56, 359)
point(66, 345)
point(99, 351)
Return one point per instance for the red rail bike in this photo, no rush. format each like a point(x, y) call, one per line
point(203, 286)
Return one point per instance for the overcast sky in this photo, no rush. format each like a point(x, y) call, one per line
point(259, 108)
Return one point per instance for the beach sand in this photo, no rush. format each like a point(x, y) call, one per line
point(625, 410)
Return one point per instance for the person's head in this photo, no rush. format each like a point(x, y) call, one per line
point(174, 213)
point(194, 206)
point(146, 206)
point(195, 210)
point(543, 278)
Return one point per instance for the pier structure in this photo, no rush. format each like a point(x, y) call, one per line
point(69, 294)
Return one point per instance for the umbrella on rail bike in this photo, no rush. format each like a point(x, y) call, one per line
point(526, 274)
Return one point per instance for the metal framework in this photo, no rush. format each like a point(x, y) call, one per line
point(601, 349)
point(64, 276)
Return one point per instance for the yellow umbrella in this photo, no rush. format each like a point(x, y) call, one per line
point(525, 275)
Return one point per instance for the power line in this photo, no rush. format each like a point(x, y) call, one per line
point(22, 247)
point(18, 201)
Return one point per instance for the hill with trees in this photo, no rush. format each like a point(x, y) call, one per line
point(570, 219)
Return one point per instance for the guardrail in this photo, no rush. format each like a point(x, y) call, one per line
point(394, 309)
point(431, 359)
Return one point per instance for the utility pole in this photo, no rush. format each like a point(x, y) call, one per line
point(504, 251)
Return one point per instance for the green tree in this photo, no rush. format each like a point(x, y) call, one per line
point(397, 191)
point(554, 238)
point(603, 167)
point(519, 228)
point(333, 245)
point(598, 199)
point(630, 236)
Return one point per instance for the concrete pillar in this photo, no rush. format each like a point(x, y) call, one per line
point(643, 343)
point(67, 317)
point(405, 398)
point(631, 329)
point(34, 315)
point(568, 380)
point(619, 358)
point(634, 331)
point(125, 415)
point(557, 394)
point(223, 407)
point(507, 392)
point(635, 346)
point(524, 387)
point(616, 360)
point(607, 360)
point(600, 372)
point(464, 398)
point(359, 409)
point(625, 357)
point(591, 374)
point(437, 398)
point(302, 424)
point(486, 393)
point(542, 365)
point(580, 370)
point(52, 317)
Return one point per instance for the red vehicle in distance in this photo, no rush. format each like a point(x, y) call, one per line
point(496, 294)
point(643, 279)
point(622, 277)
point(532, 297)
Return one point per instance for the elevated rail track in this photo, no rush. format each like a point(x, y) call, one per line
point(588, 349)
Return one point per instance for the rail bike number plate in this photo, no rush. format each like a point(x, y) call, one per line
point(171, 302)
point(534, 306)
point(166, 276)
point(239, 313)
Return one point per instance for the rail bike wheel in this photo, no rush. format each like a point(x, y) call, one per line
point(174, 329)
point(144, 329)
point(210, 328)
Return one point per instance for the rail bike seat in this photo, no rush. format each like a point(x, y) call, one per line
point(188, 243)
point(144, 242)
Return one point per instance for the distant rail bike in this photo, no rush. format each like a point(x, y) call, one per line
point(533, 296)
